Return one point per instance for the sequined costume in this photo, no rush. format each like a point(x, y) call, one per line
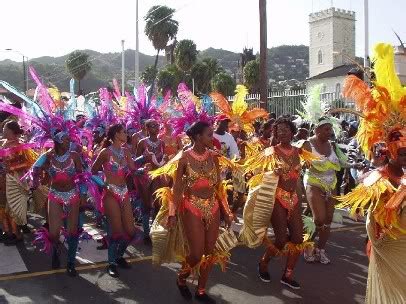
point(265, 192)
point(117, 168)
point(382, 194)
point(172, 245)
point(322, 172)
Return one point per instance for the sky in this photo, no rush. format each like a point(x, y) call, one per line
point(56, 27)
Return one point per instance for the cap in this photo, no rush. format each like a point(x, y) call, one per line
point(222, 117)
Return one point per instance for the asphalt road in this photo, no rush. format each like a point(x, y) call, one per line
point(28, 278)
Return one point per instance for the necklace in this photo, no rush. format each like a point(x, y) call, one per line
point(62, 158)
point(118, 153)
point(287, 152)
point(153, 144)
point(199, 157)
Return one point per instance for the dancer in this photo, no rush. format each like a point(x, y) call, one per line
point(15, 164)
point(383, 191)
point(116, 163)
point(320, 179)
point(282, 205)
point(145, 186)
point(172, 144)
point(192, 214)
point(64, 198)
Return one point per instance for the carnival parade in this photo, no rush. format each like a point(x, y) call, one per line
point(194, 186)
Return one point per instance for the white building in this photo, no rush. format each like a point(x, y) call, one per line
point(332, 48)
point(400, 63)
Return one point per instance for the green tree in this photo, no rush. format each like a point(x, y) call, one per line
point(78, 65)
point(202, 78)
point(149, 75)
point(251, 75)
point(160, 27)
point(223, 83)
point(213, 66)
point(185, 55)
point(169, 79)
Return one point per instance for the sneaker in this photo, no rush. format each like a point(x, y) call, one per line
point(323, 257)
point(309, 256)
point(71, 271)
point(204, 298)
point(122, 263)
point(290, 283)
point(112, 270)
point(263, 275)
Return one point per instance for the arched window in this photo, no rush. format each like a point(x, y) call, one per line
point(320, 57)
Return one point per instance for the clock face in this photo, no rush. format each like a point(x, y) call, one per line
point(320, 35)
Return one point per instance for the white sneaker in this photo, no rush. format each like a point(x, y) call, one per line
point(323, 257)
point(308, 255)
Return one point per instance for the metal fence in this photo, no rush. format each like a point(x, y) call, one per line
point(290, 102)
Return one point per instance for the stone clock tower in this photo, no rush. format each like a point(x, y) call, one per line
point(332, 34)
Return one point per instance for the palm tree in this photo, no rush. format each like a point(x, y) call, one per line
point(160, 27)
point(185, 55)
point(263, 79)
point(213, 66)
point(78, 65)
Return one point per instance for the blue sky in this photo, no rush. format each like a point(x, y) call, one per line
point(49, 27)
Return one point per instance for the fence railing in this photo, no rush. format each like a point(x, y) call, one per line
point(290, 102)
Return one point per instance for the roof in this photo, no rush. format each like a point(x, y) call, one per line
point(341, 70)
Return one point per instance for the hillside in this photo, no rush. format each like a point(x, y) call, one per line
point(284, 63)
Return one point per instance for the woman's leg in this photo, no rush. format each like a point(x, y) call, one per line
point(317, 202)
point(279, 224)
point(295, 225)
point(73, 237)
point(195, 235)
point(113, 213)
point(127, 218)
point(323, 237)
point(211, 237)
point(55, 218)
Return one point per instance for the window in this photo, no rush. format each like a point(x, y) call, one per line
point(320, 57)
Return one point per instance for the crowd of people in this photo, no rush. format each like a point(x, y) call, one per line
point(184, 174)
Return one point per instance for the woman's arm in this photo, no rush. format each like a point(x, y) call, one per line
point(225, 208)
point(98, 163)
point(38, 168)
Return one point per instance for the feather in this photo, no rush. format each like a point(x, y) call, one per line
point(239, 105)
point(221, 102)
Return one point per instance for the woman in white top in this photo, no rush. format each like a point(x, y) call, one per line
point(320, 181)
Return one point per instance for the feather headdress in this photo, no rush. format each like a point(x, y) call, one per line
point(316, 110)
point(383, 107)
point(188, 111)
point(238, 113)
point(38, 116)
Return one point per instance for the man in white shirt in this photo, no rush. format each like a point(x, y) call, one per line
point(229, 146)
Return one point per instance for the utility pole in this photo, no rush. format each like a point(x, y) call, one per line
point(263, 71)
point(122, 68)
point(366, 46)
point(137, 48)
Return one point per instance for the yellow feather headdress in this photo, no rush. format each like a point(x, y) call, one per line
point(238, 112)
point(383, 107)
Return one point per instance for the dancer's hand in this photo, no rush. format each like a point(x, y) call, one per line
point(228, 220)
point(171, 222)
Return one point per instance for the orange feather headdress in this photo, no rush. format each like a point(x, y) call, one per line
point(241, 118)
point(383, 107)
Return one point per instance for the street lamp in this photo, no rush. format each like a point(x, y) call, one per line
point(25, 68)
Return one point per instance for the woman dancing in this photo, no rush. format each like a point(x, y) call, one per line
point(15, 165)
point(383, 191)
point(116, 163)
point(195, 210)
point(65, 195)
point(320, 182)
point(285, 162)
